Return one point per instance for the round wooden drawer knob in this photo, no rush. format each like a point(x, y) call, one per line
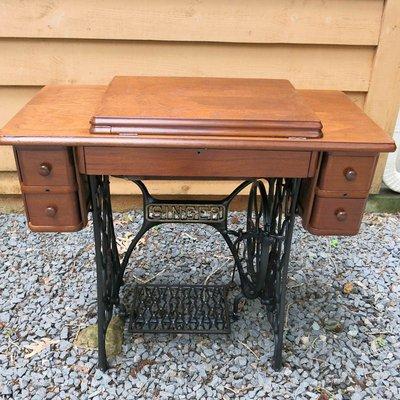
point(44, 169)
point(51, 211)
point(341, 215)
point(350, 174)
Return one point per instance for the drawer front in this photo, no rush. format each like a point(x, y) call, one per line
point(196, 163)
point(336, 216)
point(346, 173)
point(39, 166)
point(55, 212)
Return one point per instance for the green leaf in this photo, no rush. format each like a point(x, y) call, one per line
point(334, 243)
point(381, 341)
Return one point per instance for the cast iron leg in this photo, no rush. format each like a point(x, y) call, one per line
point(278, 316)
point(107, 261)
point(262, 251)
point(281, 301)
point(101, 318)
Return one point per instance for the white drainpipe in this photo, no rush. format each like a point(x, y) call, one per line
point(391, 176)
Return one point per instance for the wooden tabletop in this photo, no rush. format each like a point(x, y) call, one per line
point(204, 106)
point(60, 115)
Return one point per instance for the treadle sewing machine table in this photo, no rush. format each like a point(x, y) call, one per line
point(68, 140)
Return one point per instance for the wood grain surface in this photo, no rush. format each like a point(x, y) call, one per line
point(204, 106)
point(195, 163)
point(57, 160)
point(383, 99)
point(14, 98)
point(335, 166)
point(67, 216)
point(56, 61)
point(324, 220)
point(61, 114)
point(347, 45)
point(350, 22)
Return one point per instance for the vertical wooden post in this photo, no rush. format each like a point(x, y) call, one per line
point(383, 99)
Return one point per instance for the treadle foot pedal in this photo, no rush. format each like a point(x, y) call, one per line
point(159, 308)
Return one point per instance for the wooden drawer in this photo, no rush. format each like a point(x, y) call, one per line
point(195, 163)
point(41, 166)
point(53, 212)
point(346, 173)
point(336, 216)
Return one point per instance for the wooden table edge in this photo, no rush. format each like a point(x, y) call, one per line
point(286, 144)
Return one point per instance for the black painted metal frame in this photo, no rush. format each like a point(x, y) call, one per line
point(180, 308)
point(260, 251)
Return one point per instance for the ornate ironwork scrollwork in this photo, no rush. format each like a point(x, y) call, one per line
point(260, 250)
point(109, 271)
point(252, 244)
point(282, 214)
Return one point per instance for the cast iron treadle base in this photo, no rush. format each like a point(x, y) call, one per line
point(161, 308)
point(260, 251)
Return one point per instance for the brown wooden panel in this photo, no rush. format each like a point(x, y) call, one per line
point(65, 207)
point(49, 166)
point(48, 189)
point(200, 106)
point(336, 216)
point(41, 62)
point(60, 115)
point(200, 163)
point(83, 189)
point(342, 193)
point(290, 21)
point(349, 173)
point(307, 191)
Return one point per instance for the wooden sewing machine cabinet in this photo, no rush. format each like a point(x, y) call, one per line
point(57, 155)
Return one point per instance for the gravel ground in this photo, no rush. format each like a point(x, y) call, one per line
point(349, 285)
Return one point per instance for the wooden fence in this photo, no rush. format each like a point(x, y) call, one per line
point(348, 45)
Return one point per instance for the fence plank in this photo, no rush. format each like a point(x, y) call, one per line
point(9, 185)
point(12, 99)
point(355, 22)
point(383, 100)
point(39, 62)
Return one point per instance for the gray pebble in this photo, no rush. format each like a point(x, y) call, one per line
point(57, 297)
point(64, 345)
point(242, 361)
point(6, 390)
point(64, 333)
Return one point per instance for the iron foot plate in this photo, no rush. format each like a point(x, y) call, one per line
point(159, 308)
